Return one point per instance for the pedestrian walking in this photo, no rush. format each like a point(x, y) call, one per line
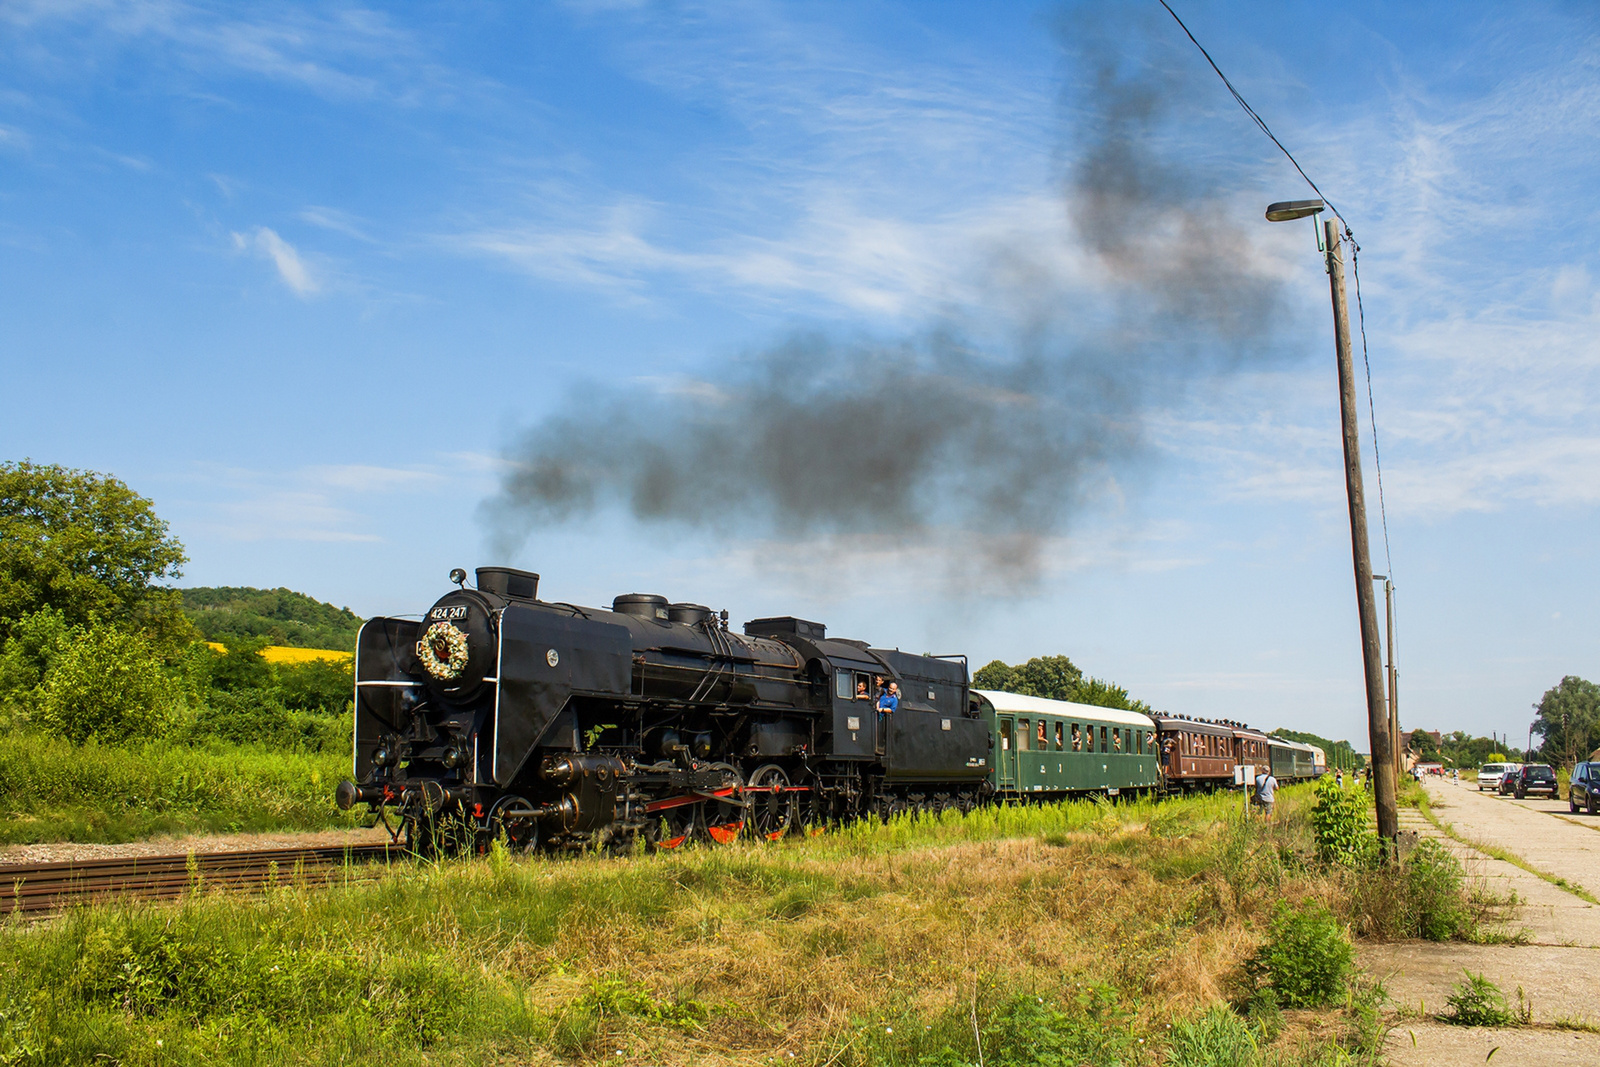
point(1266, 794)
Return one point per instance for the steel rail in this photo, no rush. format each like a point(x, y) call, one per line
point(35, 888)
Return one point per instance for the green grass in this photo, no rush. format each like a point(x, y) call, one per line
point(52, 790)
point(1058, 934)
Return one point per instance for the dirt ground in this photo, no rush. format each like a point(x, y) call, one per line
point(168, 846)
point(1551, 970)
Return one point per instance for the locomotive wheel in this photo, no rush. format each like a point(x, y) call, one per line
point(769, 804)
point(676, 827)
point(519, 835)
point(725, 816)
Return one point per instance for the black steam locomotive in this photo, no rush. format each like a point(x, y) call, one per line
point(502, 716)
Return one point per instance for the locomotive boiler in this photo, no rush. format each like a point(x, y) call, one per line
point(499, 715)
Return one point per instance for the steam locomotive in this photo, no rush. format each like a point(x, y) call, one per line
point(550, 725)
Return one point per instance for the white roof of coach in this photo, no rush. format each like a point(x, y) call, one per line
point(1017, 704)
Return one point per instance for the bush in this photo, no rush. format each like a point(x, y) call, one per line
point(1307, 958)
point(260, 717)
point(1339, 824)
point(320, 685)
point(35, 643)
point(107, 685)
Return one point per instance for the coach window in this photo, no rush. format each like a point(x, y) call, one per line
point(1116, 739)
point(1059, 735)
point(1023, 727)
point(1005, 735)
point(1044, 738)
point(1077, 738)
point(1103, 747)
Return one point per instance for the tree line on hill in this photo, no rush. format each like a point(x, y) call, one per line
point(95, 646)
point(280, 616)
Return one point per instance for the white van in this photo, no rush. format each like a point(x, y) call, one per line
point(1489, 775)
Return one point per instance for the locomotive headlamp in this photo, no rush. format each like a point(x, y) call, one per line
point(458, 576)
point(380, 756)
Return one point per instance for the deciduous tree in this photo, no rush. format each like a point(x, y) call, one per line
point(87, 546)
point(1568, 718)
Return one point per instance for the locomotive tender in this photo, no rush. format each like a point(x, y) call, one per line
point(547, 724)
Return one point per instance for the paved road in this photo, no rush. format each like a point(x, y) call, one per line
point(1553, 970)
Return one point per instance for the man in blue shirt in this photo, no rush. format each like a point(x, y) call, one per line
point(890, 700)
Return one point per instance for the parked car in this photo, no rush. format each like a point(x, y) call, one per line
point(1490, 774)
point(1584, 792)
point(1532, 778)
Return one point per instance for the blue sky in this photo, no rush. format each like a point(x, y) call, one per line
point(305, 274)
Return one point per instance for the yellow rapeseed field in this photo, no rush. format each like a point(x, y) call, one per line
point(285, 654)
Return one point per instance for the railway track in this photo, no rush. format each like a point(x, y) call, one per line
point(41, 888)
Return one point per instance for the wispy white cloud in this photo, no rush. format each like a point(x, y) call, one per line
point(330, 503)
point(291, 268)
point(347, 52)
point(338, 221)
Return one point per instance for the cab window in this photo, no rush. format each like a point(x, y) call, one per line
point(842, 686)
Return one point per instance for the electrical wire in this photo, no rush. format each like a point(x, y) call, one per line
point(1355, 250)
point(1372, 411)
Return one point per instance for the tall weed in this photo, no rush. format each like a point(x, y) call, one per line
point(1215, 1038)
point(1423, 896)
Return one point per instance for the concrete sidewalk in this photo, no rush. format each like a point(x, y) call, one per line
point(1551, 970)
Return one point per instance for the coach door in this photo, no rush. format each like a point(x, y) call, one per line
point(1006, 767)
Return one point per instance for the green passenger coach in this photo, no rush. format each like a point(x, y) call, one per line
point(1052, 748)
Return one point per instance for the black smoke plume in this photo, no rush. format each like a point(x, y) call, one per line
point(934, 440)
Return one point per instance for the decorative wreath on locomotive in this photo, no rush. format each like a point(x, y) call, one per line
point(545, 724)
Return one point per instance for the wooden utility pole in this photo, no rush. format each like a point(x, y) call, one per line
point(1385, 762)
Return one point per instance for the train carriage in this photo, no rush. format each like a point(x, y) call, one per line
point(1319, 760)
point(1054, 748)
point(1293, 761)
point(1196, 756)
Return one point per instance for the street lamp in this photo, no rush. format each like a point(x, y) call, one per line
point(1289, 210)
point(1384, 750)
